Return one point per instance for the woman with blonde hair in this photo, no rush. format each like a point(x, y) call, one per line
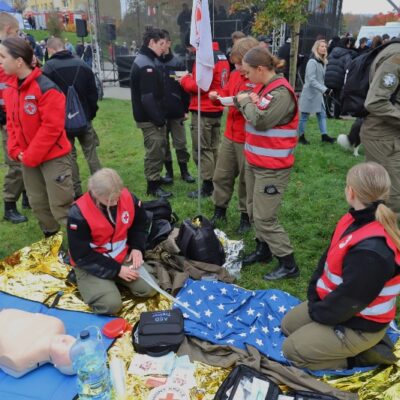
point(311, 98)
point(230, 163)
point(107, 231)
point(271, 115)
point(352, 294)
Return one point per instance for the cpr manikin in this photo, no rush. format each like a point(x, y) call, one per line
point(29, 340)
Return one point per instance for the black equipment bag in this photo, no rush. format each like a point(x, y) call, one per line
point(229, 386)
point(304, 395)
point(356, 83)
point(197, 241)
point(160, 209)
point(159, 332)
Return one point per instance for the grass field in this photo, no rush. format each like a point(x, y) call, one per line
point(312, 205)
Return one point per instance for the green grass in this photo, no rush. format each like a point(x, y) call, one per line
point(43, 34)
point(312, 204)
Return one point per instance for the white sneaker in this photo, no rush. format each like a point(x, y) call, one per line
point(343, 141)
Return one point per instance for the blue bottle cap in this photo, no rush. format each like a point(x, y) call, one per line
point(84, 334)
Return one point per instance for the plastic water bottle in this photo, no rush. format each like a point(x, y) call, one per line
point(89, 360)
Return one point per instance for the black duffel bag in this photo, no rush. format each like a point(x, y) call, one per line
point(197, 241)
point(158, 332)
point(227, 390)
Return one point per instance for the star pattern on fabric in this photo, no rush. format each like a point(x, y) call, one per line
point(234, 316)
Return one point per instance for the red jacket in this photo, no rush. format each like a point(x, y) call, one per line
point(235, 121)
point(273, 148)
point(220, 79)
point(35, 119)
point(383, 308)
point(108, 239)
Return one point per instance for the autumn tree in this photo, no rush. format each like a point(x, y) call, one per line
point(381, 18)
point(272, 13)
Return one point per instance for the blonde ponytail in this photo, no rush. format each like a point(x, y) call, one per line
point(371, 185)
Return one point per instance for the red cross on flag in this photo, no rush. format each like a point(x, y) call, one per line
point(201, 40)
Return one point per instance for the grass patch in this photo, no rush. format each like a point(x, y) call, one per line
point(312, 204)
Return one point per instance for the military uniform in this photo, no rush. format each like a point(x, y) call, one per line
point(270, 140)
point(380, 132)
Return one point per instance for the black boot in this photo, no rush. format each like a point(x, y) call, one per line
point(154, 189)
point(25, 201)
point(380, 354)
point(11, 213)
point(185, 173)
point(206, 190)
point(219, 216)
point(262, 253)
point(287, 268)
point(327, 139)
point(168, 179)
point(244, 225)
point(303, 140)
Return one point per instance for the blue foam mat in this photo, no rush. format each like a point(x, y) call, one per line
point(46, 382)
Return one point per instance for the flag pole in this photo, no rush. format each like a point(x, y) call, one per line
point(199, 183)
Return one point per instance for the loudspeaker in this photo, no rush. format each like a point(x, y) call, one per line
point(111, 33)
point(81, 27)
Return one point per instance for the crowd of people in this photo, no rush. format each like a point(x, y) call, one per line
point(107, 226)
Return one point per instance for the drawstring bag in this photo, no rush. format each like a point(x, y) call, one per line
point(197, 241)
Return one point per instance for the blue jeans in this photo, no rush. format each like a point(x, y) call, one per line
point(321, 116)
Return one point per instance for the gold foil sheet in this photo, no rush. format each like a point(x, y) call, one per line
point(35, 273)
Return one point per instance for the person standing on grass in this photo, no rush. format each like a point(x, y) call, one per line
point(35, 109)
point(210, 119)
point(271, 137)
point(13, 184)
point(107, 231)
point(231, 162)
point(147, 93)
point(176, 103)
point(66, 70)
point(352, 294)
point(311, 98)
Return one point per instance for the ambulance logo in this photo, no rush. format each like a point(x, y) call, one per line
point(125, 217)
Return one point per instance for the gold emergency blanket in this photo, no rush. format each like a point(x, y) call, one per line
point(36, 273)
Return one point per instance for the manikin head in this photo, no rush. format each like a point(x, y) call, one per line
point(59, 349)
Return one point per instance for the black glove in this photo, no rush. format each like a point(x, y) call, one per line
point(328, 92)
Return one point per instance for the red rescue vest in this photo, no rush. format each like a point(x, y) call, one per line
point(383, 308)
point(273, 148)
point(108, 239)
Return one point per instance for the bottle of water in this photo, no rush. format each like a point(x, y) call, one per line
point(89, 360)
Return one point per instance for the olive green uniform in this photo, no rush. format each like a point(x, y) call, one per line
point(89, 142)
point(50, 192)
point(13, 182)
point(209, 143)
point(265, 187)
point(316, 346)
point(380, 131)
point(155, 143)
point(178, 133)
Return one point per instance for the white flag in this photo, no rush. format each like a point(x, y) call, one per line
point(201, 40)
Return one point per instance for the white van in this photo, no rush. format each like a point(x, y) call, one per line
point(391, 28)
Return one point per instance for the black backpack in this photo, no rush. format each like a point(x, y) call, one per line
point(356, 84)
point(197, 241)
point(76, 122)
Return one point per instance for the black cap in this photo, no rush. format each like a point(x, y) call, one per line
point(264, 38)
point(84, 334)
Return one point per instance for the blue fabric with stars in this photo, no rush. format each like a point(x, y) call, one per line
point(231, 315)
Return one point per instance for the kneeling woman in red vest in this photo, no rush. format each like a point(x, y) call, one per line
point(271, 136)
point(107, 230)
point(352, 294)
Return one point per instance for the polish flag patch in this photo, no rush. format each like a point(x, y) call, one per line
point(73, 227)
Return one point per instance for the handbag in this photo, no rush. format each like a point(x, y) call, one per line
point(197, 241)
point(158, 332)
